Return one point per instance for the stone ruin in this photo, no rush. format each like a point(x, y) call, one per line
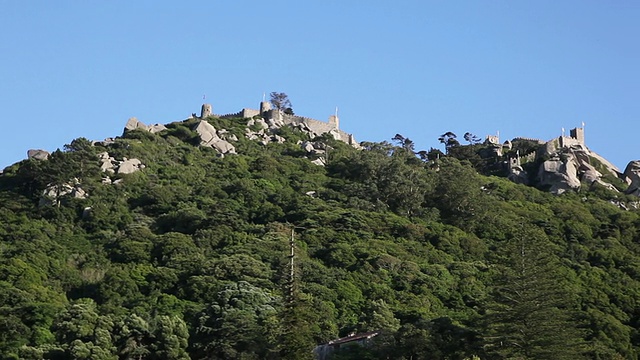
point(567, 164)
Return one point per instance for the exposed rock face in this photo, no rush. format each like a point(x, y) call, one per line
point(126, 166)
point(133, 124)
point(518, 176)
point(108, 163)
point(316, 149)
point(129, 166)
point(319, 162)
point(156, 128)
point(560, 175)
point(568, 167)
point(589, 174)
point(632, 175)
point(106, 142)
point(209, 138)
point(38, 154)
point(52, 194)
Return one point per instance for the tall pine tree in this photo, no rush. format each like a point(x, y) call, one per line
point(531, 313)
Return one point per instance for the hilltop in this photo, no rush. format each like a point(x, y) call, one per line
point(561, 164)
point(175, 241)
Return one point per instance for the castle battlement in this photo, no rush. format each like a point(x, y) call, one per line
point(316, 127)
point(520, 138)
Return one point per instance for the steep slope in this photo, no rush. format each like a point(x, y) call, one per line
point(187, 256)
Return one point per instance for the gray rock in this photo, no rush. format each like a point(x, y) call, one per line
point(52, 194)
point(133, 124)
point(589, 173)
point(318, 161)
point(223, 146)
point(209, 138)
point(156, 128)
point(226, 135)
point(518, 176)
point(308, 146)
point(632, 175)
point(106, 142)
point(259, 124)
point(560, 175)
point(207, 133)
point(107, 162)
point(129, 166)
point(38, 154)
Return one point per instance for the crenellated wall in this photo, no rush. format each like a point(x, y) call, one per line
point(529, 139)
point(317, 127)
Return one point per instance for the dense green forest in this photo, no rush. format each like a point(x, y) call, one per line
point(188, 258)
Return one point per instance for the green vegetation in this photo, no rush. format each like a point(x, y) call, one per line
point(187, 259)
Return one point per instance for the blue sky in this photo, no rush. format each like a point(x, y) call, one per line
point(419, 68)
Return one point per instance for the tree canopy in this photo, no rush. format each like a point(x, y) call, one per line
point(188, 258)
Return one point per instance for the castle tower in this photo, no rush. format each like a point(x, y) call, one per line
point(264, 107)
point(514, 161)
point(206, 111)
point(578, 134)
point(334, 121)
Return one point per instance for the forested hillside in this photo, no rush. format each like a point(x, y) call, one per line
point(188, 257)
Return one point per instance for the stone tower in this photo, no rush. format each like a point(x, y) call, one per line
point(578, 134)
point(334, 121)
point(264, 107)
point(206, 111)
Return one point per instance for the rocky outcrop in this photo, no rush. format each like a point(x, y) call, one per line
point(106, 142)
point(53, 193)
point(568, 168)
point(156, 128)
point(108, 163)
point(129, 166)
point(632, 176)
point(209, 138)
point(133, 124)
point(264, 131)
point(559, 174)
point(111, 165)
point(37, 154)
point(316, 149)
point(518, 175)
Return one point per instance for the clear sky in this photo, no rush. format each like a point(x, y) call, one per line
point(419, 68)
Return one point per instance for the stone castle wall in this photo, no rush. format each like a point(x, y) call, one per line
point(317, 127)
point(529, 139)
point(566, 141)
point(244, 113)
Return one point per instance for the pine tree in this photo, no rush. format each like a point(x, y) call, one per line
point(531, 315)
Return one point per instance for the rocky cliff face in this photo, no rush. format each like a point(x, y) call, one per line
point(632, 176)
point(565, 168)
point(560, 174)
point(570, 168)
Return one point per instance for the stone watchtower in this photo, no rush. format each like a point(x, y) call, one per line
point(334, 121)
point(264, 107)
point(206, 111)
point(578, 134)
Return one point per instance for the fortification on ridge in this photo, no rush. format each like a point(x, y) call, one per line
point(317, 127)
